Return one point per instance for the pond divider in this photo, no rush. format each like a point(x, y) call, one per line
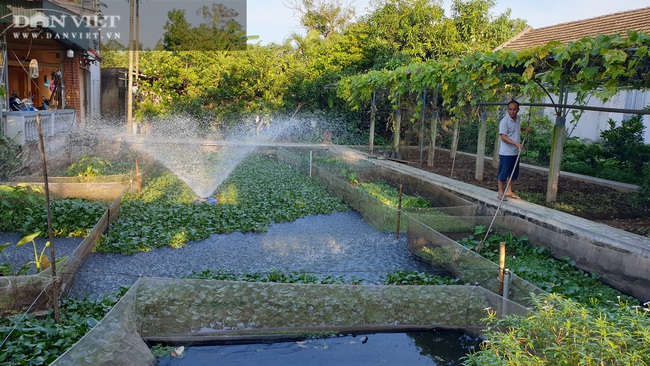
point(199, 311)
point(335, 172)
point(19, 292)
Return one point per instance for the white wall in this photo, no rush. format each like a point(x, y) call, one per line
point(592, 123)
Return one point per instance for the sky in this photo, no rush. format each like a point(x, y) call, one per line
point(273, 21)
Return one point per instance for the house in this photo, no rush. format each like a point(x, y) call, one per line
point(49, 55)
point(592, 123)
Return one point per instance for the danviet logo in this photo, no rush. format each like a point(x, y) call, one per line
point(66, 26)
point(60, 21)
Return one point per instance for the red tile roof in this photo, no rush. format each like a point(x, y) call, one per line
point(616, 23)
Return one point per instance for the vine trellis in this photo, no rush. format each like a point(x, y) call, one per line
point(600, 66)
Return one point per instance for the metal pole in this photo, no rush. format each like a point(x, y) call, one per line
point(562, 105)
point(311, 161)
point(55, 295)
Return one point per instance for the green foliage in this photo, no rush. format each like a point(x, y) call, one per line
point(624, 144)
point(390, 196)
point(17, 202)
point(39, 340)
point(603, 63)
point(563, 332)
point(219, 31)
point(621, 156)
point(23, 210)
point(70, 217)
point(258, 192)
point(537, 265)
point(89, 166)
point(273, 276)
point(41, 261)
point(403, 277)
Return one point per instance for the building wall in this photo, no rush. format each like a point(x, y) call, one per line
point(592, 123)
point(71, 81)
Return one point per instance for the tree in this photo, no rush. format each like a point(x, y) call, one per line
point(326, 17)
point(220, 31)
point(177, 31)
point(114, 54)
point(402, 31)
point(476, 29)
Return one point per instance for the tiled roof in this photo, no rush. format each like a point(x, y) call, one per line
point(615, 23)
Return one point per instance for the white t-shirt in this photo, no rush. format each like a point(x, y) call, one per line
point(512, 129)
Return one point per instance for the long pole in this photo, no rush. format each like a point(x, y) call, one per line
point(502, 265)
point(503, 196)
point(399, 212)
point(424, 109)
point(129, 92)
point(137, 177)
point(55, 283)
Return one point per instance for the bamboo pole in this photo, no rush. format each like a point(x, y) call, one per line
point(399, 212)
point(137, 176)
point(50, 235)
point(502, 265)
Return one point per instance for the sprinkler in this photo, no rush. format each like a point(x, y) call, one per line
point(206, 200)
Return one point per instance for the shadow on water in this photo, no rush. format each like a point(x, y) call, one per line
point(440, 347)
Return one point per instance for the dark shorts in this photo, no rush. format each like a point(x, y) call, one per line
point(506, 165)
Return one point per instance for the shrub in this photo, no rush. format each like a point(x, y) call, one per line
point(563, 332)
point(625, 143)
point(88, 166)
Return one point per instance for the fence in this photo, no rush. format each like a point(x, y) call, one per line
point(21, 126)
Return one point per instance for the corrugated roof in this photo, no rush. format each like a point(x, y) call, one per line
point(616, 23)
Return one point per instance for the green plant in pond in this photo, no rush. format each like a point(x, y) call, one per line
point(71, 217)
point(273, 276)
point(537, 265)
point(17, 203)
point(563, 332)
point(257, 192)
point(403, 277)
point(22, 209)
point(39, 340)
point(390, 196)
point(348, 174)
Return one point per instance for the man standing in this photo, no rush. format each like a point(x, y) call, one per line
point(509, 150)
